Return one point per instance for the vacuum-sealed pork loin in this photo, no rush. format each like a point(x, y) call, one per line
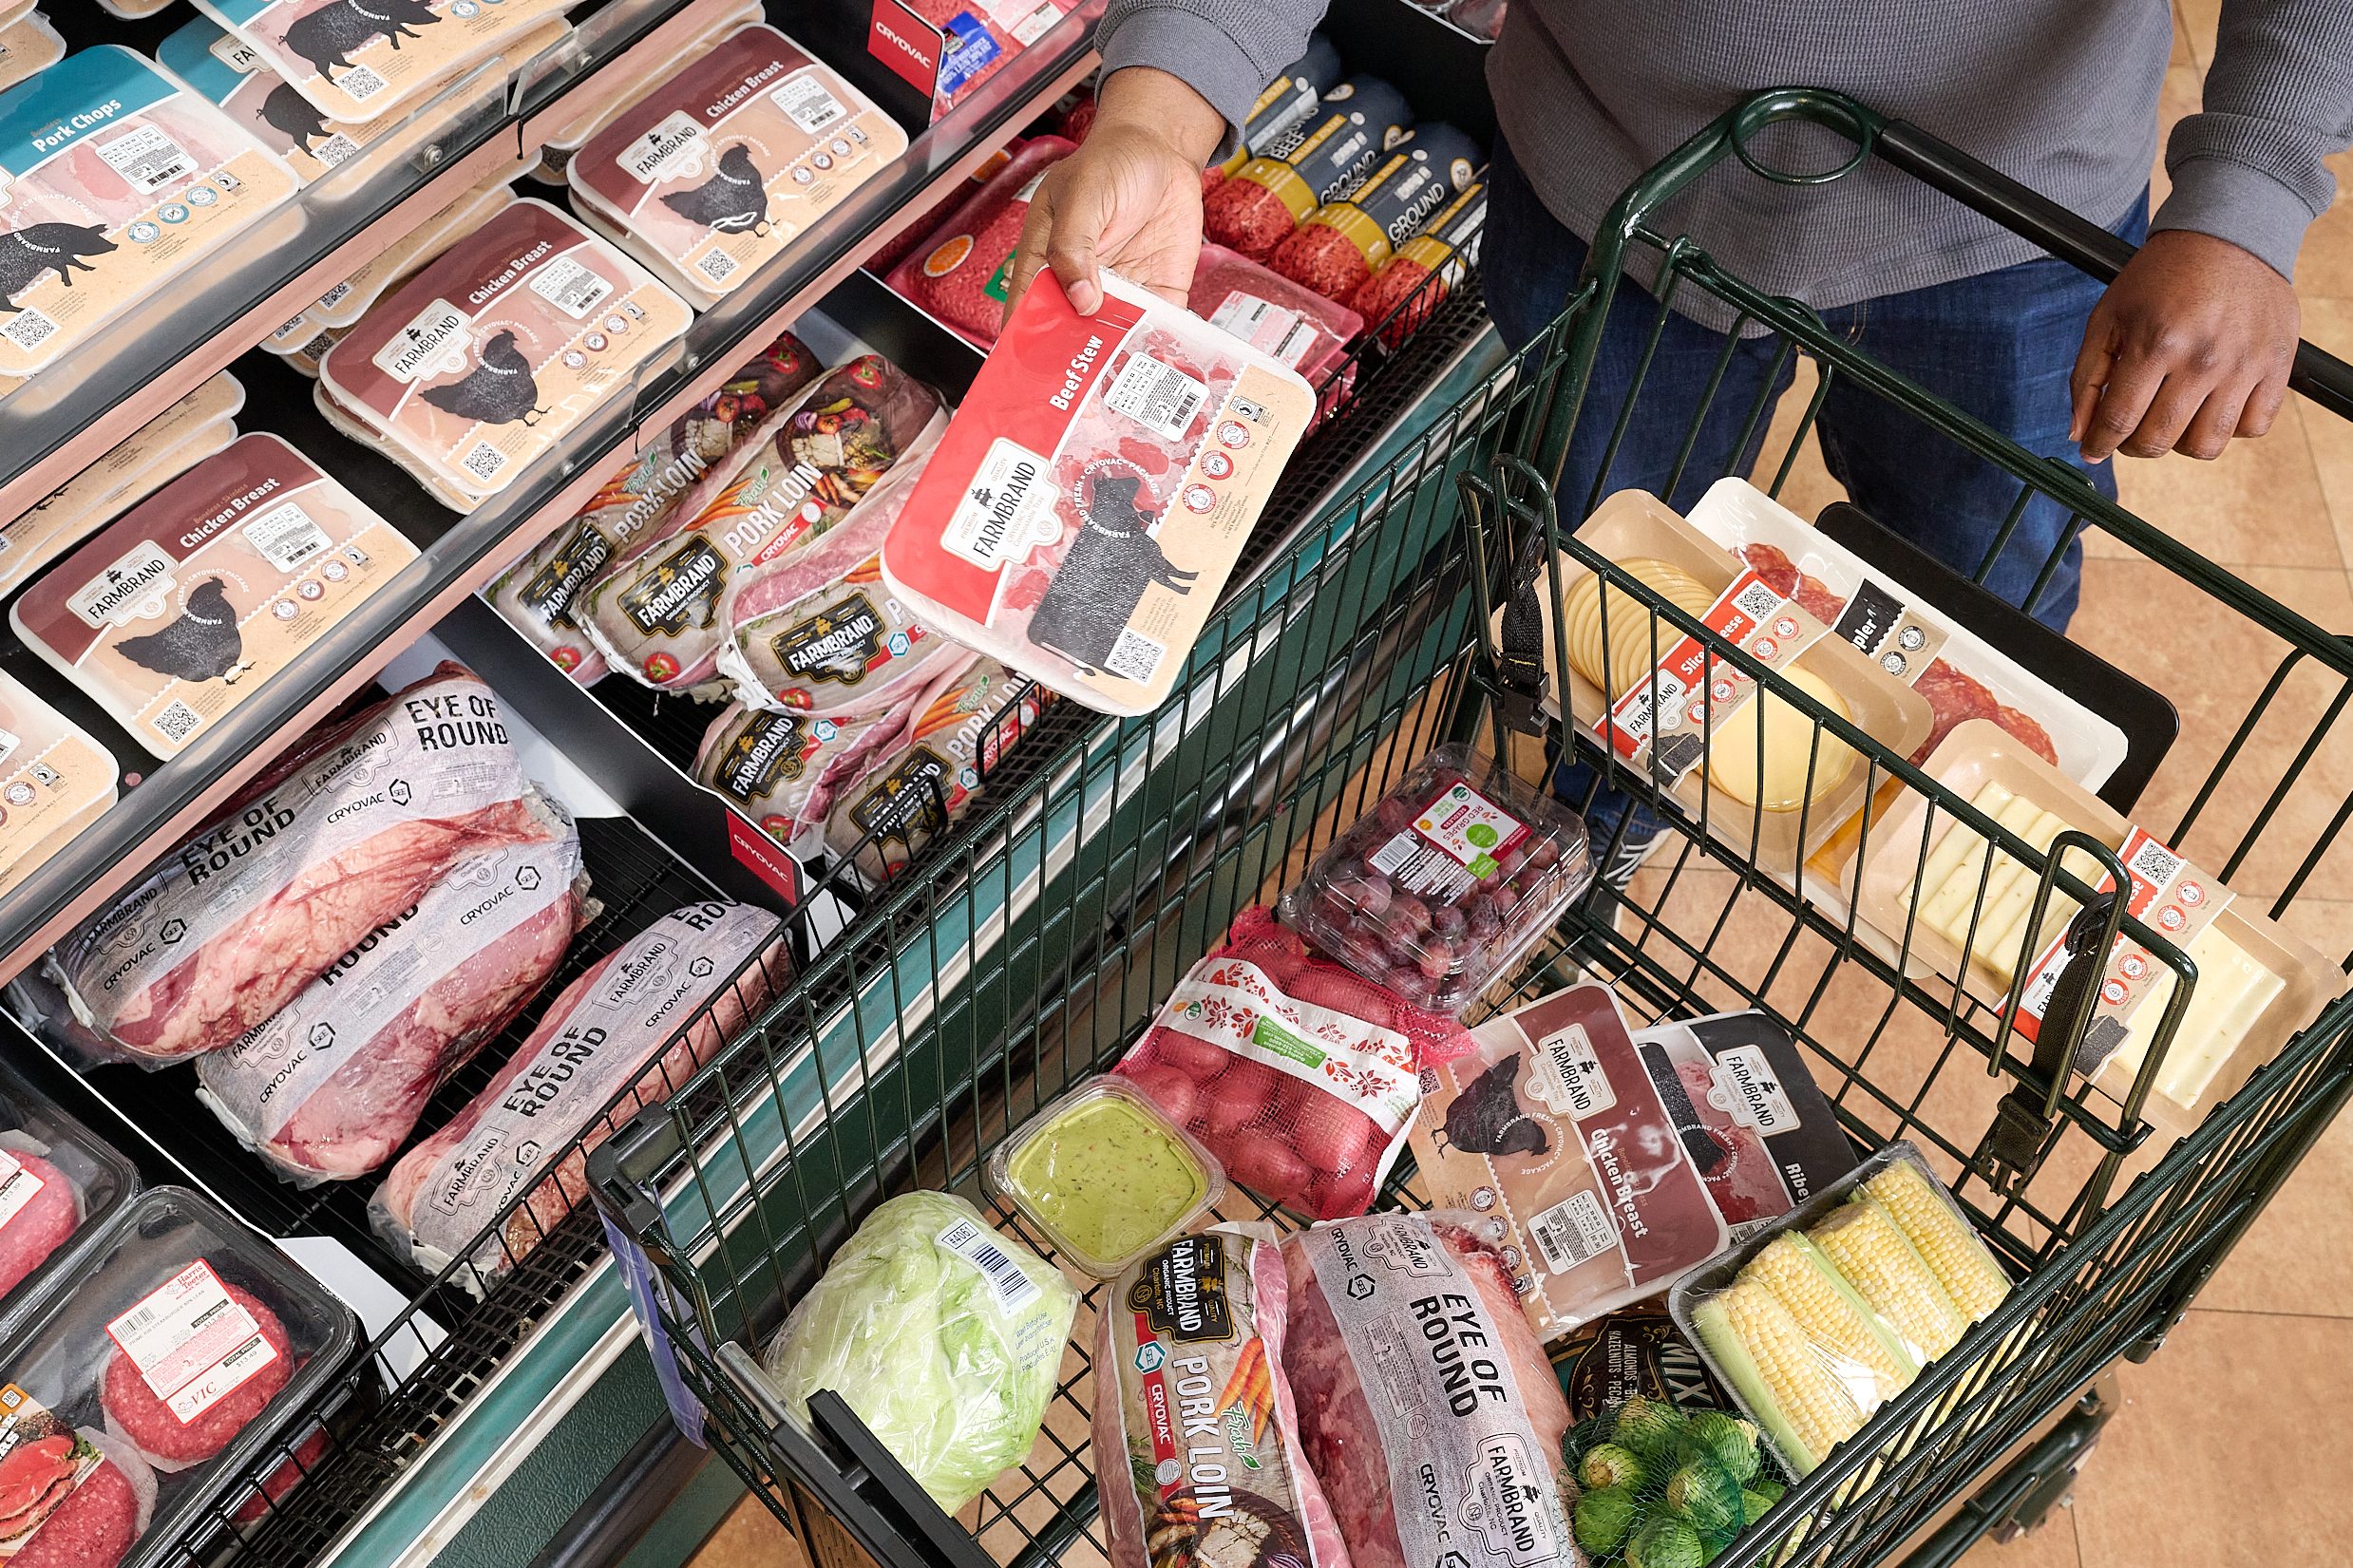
point(235, 922)
point(921, 783)
point(783, 770)
point(333, 1083)
point(635, 1028)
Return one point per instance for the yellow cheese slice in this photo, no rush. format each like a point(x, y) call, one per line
point(2233, 991)
point(1788, 749)
point(1631, 638)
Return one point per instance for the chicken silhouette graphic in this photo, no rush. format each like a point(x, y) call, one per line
point(733, 200)
point(203, 645)
point(1486, 1117)
point(500, 390)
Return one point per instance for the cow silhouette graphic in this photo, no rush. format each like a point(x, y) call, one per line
point(289, 113)
point(61, 248)
point(500, 390)
point(732, 201)
point(328, 35)
point(203, 644)
point(1103, 577)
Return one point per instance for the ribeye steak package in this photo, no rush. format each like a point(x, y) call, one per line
point(362, 59)
point(53, 779)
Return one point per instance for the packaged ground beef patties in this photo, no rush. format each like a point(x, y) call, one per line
point(918, 787)
point(1265, 201)
point(961, 275)
point(189, 602)
point(1085, 507)
point(783, 770)
point(1297, 326)
point(362, 60)
point(54, 780)
point(715, 171)
point(59, 1183)
point(1345, 242)
point(1421, 273)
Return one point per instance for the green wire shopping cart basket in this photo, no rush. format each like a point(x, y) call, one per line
point(1034, 947)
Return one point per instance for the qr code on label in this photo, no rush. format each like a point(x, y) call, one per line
point(360, 83)
point(1757, 601)
point(177, 721)
point(717, 266)
point(485, 461)
point(29, 329)
point(1135, 655)
point(334, 149)
point(2154, 862)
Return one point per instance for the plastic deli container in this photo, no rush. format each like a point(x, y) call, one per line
point(494, 352)
point(1445, 883)
point(352, 70)
point(54, 780)
point(1087, 504)
point(189, 603)
point(148, 1381)
point(715, 171)
point(60, 1183)
point(1105, 1175)
point(120, 180)
point(961, 274)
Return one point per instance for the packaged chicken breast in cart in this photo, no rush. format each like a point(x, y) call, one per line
point(1089, 500)
point(188, 603)
point(361, 60)
point(506, 344)
point(118, 179)
point(54, 780)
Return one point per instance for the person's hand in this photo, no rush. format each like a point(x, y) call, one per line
point(2189, 346)
point(1128, 199)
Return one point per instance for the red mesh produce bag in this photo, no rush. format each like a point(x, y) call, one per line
point(1301, 1076)
point(960, 274)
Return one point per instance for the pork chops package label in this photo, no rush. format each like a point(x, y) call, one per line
point(494, 351)
point(53, 778)
point(720, 168)
point(1090, 497)
point(193, 599)
point(360, 59)
point(114, 178)
point(231, 73)
point(230, 925)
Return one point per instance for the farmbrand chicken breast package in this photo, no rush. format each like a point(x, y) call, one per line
point(716, 171)
point(361, 60)
point(495, 351)
point(194, 598)
point(118, 178)
point(1090, 497)
point(53, 781)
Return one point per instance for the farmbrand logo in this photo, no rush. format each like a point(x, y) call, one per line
point(677, 142)
point(138, 583)
point(1008, 510)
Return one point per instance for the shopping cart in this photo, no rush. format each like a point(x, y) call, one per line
point(1039, 944)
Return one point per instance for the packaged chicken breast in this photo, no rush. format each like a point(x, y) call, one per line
point(362, 60)
point(193, 599)
point(717, 170)
point(54, 780)
point(343, 306)
point(712, 20)
point(494, 352)
point(119, 179)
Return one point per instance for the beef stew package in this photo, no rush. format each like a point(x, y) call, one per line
point(500, 348)
point(188, 603)
point(54, 780)
point(119, 181)
point(362, 60)
point(655, 613)
point(1325, 159)
point(1344, 243)
point(1085, 508)
point(715, 171)
point(1393, 1318)
point(1198, 1325)
point(632, 1029)
point(329, 843)
point(921, 783)
point(960, 276)
point(1299, 1075)
point(60, 1183)
point(141, 1389)
point(541, 593)
point(330, 1085)
point(784, 770)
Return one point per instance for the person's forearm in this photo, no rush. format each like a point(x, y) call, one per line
point(1164, 105)
point(2278, 101)
point(1225, 50)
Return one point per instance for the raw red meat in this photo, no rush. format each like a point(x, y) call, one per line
point(170, 1443)
point(92, 1528)
point(1270, 313)
point(1259, 206)
point(1427, 268)
point(902, 244)
point(291, 1472)
point(953, 730)
point(1742, 1184)
point(45, 1224)
point(959, 273)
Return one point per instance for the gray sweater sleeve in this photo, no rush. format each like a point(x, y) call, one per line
point(2279, 99)
point(1226, 50)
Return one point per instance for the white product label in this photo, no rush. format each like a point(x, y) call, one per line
point(1427, 873)
point(1265, 326)
point(1573, 1231)
point(1747, 1089)
point(1007, 511)
point(1160, 397)
point(570, 287)
point(1470, 828)
point(1567, 1075)
point(286, 536)
point(139, 586)
point(673, 144)
point(146, 158)
point(436, 340)
point(235, 53)
point(979, 1247)
point(18, 1187)
point(1027, 20)
point(807, 103)
point(9, 740)
point(1239, 1006)
point(192, 1342)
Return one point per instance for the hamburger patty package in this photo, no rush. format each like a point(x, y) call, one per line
point(54, 780)
point(961, 274)
point(1087, 504)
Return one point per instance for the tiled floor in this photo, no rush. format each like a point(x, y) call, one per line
point(2230, 1447)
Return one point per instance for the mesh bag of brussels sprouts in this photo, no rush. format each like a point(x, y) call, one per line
point(1663, 1485)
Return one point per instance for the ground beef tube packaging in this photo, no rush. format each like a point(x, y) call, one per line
point(195, 598)
point(1324, 159)
point(1088, 502)
point(358, 60)
point(716, 171)
point(1345, 242)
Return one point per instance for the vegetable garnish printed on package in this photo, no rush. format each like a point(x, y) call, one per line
point(53, 778)
point(1085, 505)
point(359, 59)
point(230, 72)
point(113, 178)
point(490, 356)
point(194, 598)
point(720, 168)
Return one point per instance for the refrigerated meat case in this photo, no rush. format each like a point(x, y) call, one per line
point(522, 1419)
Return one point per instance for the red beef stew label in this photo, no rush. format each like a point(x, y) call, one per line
point(192, 1341)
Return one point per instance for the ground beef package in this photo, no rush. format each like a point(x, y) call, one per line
point(1399, 297)
point(1287, 105)
point(975, 39)
point(362, 60)
point(1305, 329)
point(1083, 509)
point(916, 787)
point(916, 230)
point(54, 780)
point(961, 275)
point(1268, 198)
point(1344, 243)
point(59, 1182)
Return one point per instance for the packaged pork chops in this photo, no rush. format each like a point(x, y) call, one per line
point(141, 1387)
point(231, 73)
point(59, 1183)
point(1083, 509)
point(655, 615)
point(783, 770)
point(715, 171)
point(539, 593)
point(54, 780)
point(918, 786)
point(189, 602)
point(500, 348)
point(120, 180)
point(361, 60)
point(330, 1085)
point(632, 1029)
point(325, 846)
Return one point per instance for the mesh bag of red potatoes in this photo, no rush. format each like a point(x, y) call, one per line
point(1299, 1074)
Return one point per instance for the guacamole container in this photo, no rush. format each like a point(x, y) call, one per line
point(1104, 1176)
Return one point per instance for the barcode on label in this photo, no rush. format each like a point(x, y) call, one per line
point(485, 461)
point(1571, 1232)
point(717, 266)
point(1135, 655)
point(1014, 1289)
point(177, 721)
point(1757, 601)
point(146, 158)
point(29, 329)
point(807, 103)
point(2155, 862)
point(1160, 397)
point(192, 1341)
point(570, 287)
point(360, 83)
point(285, 536)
